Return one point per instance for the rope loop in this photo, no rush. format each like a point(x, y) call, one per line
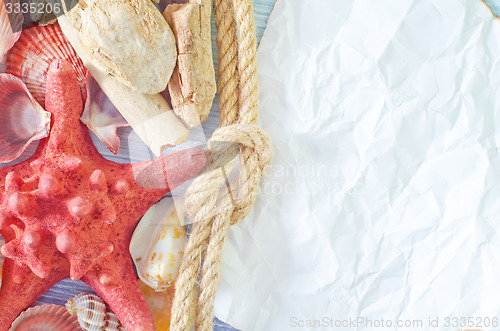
point(212, 202)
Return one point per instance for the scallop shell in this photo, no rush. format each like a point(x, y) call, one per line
point(45, 318)
point(157, 244)
point(92, 313)
point(10, 27)
point(31, 56)
point(101, 116)
point(22, 119)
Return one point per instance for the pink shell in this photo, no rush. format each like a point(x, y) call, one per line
point(10, 27)
point(22, 119)
point(46, 318)
point(31, 56)
point(101, 116)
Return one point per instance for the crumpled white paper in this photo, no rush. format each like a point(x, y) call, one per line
point(383, 199)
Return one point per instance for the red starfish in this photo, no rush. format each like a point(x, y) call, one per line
point(68, 212)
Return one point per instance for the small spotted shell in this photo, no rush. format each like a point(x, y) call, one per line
point(92, 313)
point(157, 244)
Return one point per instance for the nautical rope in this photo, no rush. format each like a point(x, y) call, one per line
point(211, 203)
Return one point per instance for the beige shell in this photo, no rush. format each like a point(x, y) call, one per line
point(45, 318)
point(129, 40)
point(92, 313)
point(157, 244)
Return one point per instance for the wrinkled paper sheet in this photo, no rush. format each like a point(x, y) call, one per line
point(383, 199)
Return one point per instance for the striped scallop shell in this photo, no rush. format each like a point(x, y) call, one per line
point(45, 318)
point(92, 313)
point(31, 56)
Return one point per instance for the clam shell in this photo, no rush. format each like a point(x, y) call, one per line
point(157, 244)
point(10, 27)
point(101, 116)
point(31, 56)
point(92, 313)
point(45, 318)
point(22, 119)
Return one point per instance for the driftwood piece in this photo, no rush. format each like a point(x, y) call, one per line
point(148, 114)
point(192, 86)
point(128, 40)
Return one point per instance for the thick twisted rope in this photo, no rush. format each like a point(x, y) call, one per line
point(210, 202)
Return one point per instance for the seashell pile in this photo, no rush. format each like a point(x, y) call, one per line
point(92, 313)
point(157, 245)
point(22, 119)
point(30, 59)
point(45, 318)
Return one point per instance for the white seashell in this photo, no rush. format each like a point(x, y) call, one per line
point(10, 26)
point(31, 56)
point(129, 40)
point(22, 119)
point(45, 318)
point(92, 313)
point(157, 244)
point(101, 116)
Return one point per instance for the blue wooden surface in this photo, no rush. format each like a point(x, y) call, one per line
point(133, 150)
point(494, 6)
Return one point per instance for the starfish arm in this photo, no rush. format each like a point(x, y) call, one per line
point(169, 171)
point(120, 290)
point(16, 297)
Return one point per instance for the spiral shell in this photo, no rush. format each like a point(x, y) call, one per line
point(92, 313)
point(45, 318)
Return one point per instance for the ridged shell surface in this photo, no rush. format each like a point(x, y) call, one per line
point(31, 56)
point(45, 318)
point(92, 313)
point(22, 119)
point(10, 26)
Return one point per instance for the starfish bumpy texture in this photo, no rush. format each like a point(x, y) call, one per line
point(68, 212)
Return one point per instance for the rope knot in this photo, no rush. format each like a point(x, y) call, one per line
point(206, 198)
